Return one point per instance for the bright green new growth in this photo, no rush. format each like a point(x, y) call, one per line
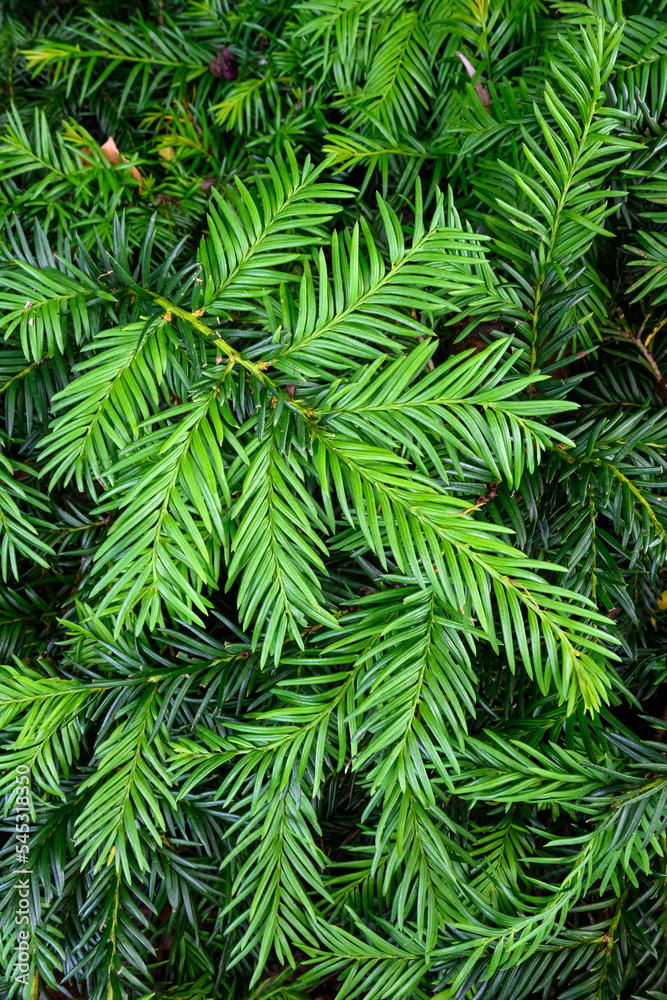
point(331, 498)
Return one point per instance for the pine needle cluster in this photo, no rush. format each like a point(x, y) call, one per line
point(333, 498)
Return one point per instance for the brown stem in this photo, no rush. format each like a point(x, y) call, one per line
point(638, 342)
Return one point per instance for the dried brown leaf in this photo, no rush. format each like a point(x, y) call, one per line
point(480, 89)
point(114, 156)
point(224, 65)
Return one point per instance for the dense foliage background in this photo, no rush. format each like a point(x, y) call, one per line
point(332, 497)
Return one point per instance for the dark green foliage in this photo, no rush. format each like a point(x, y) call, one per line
point(333, 498)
